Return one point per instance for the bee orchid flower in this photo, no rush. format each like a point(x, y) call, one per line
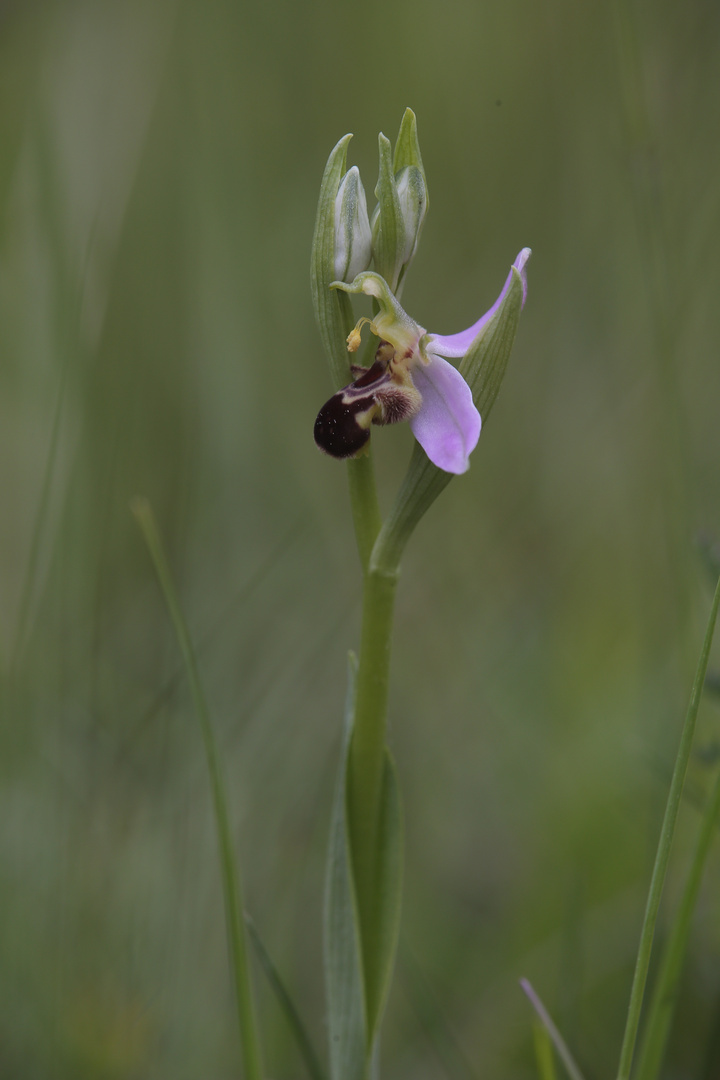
point(409, 379)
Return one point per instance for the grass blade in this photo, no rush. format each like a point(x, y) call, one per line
point(663, 852)
point(304, 1042)
point(39, 524)
point(250, 1043)
point(662, 1004)
point(344, 986)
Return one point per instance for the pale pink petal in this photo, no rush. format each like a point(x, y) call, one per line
point(458, 344)
point(448, 424)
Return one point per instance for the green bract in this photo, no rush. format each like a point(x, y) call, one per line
point(402, 197)
point(332, 308)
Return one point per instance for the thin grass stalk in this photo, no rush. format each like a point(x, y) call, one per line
point(286, 1003)
point(663, 851)
point(662, 1004)
point(563, 1052)
point(41, 515)
point(247, 1023)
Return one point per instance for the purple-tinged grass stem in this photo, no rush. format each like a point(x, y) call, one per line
point(546, 1020)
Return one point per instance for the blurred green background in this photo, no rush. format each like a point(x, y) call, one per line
point(159, 169)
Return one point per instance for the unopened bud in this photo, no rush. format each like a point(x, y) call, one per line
point(402, 204)
point(412, 195)
point(353, 238)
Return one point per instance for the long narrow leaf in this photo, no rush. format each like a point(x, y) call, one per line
point(544, 1058)
point(663, 852)
point(386, 921)
point(286, 1003)
point(347, 1025)
point(357, 995)
point(662, 1004)
point(250, 1043)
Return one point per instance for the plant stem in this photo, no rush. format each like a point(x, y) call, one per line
point(250, 1043)
point(365, 508)
point(367, 749)
point(366, 761)
point(663, 852)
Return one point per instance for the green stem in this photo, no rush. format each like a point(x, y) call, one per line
point(367, 749)
point(663, 852)
point(366, 760)
point(250, 1043)
point(365, 507)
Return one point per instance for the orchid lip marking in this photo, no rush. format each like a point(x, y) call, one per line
point(376, 396)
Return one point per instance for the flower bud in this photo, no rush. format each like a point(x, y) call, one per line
point(332, 309)
point(402, 204)
point(352, 228)
point(412, 195)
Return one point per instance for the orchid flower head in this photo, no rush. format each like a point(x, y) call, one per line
point(409, 379)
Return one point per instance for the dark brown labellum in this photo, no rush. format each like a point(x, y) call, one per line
point(342, 427)
point(338, 428)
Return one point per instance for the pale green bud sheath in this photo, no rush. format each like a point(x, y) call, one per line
point(353, 250)
point(407, 146)
point(412, 194)
point(388, 226)
point(411, 187)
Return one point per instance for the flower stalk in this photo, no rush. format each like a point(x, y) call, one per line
point(409, 375)
point(364, 505)
point(366, 760)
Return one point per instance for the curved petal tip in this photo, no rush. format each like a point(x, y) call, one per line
point(519, 265)
point(456, 345)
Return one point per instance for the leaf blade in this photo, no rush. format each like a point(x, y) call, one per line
point(347, 1025)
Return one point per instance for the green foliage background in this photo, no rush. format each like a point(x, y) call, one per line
point(159, 168)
